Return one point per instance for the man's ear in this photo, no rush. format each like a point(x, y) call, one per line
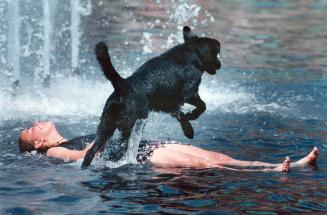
point(38, 144)
point(188, 34)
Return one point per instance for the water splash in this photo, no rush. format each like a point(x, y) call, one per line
point(147, 43)
point(27, 40)
point(186, 13)
point(13, 39)
point(130, 156)
point(47, 48)
point(134, 140)
point(233, 98)
point(86, 98)
point(65, 97)
point(76, 11)
point(68, 97)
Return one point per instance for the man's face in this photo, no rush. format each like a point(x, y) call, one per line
point(38, 132)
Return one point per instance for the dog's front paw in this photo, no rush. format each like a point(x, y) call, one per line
point(190, 116)
point(187, 129)
point(101, 49)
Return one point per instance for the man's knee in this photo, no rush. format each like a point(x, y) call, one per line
point(200, 163)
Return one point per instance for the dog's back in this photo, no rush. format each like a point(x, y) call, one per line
point(167, 80)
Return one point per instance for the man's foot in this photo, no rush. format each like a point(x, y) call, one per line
point(309, 160)
point(284, 167)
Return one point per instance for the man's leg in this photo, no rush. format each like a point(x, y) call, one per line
point(165, 157)
point(216, 157)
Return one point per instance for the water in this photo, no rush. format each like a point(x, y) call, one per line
point(268, 101)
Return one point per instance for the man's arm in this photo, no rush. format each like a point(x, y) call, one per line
point(66, 154)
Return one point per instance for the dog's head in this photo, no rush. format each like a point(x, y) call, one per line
point(206, 50)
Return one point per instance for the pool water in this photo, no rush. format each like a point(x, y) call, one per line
point(268, 101)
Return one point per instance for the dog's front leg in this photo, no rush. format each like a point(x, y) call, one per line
point(186, 125)
point(200, 107)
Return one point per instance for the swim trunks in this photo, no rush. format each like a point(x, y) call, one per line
point(144, 152)
point(147, 147)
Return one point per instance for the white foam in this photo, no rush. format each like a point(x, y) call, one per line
point(82, 98)
point(235, 99)
point(225, 99)
point(67, 97)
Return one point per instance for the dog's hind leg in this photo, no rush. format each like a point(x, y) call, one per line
point(184, 122)
point(99, 144)
point(121, 151)
point(129, 134)
point(106, 128)
point(200, 107)
point(116, 153)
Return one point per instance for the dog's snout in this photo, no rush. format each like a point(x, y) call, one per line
point(219, 65)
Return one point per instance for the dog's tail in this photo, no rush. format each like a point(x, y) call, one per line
point(102, 55)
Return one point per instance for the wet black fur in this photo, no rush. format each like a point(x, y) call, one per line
point(163, 83)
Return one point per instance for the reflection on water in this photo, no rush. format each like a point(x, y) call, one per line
point(268, 101)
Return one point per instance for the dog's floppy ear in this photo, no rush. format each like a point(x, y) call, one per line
point(188, 34)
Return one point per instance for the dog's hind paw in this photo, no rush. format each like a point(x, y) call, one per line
point(101, 49)
point(187, 129)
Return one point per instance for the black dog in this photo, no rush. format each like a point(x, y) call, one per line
point(163, 83)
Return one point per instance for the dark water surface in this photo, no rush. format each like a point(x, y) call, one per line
point(268, 101)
